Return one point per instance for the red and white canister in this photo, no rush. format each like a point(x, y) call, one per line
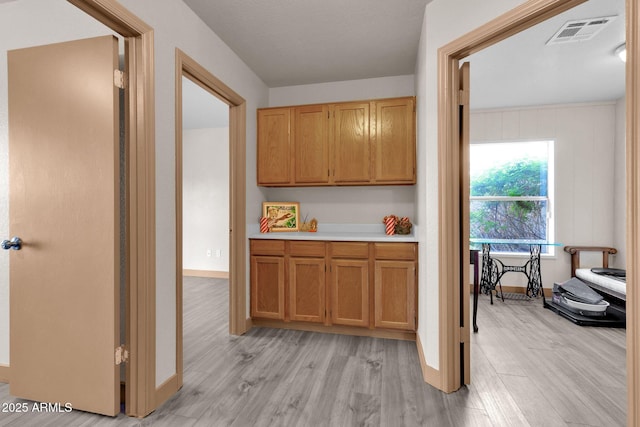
point(390, 226)
point(264, 224)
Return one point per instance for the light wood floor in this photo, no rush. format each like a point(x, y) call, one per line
point(529, 367)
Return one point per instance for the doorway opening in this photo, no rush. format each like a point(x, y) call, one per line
point(205, 183)
point(140, 206)
point(451, 243)
point(189, 70)
point(205, 218)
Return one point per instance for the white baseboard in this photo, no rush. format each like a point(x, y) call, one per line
point(206, 273)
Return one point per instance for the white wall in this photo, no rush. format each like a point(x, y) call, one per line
point(364, 205)
point(34, 22)
point(348, 90)
point(205, 199)
point(176, 26)
point(445, 20)
point(620, 188)
point(585, 136)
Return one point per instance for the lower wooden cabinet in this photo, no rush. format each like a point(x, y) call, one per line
point(307, 289)
point(350, 292)
point(355, 284)
point(267, 287)
point(395, 299)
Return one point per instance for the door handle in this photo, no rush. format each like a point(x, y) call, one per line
point(15, 244)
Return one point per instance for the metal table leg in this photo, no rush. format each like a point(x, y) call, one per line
point(476, 287)
point(534, 285)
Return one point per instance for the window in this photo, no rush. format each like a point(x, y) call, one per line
point(511, 193)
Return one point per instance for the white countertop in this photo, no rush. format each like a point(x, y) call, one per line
point(337, 232)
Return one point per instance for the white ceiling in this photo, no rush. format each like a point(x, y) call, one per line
point(522, 70)
point(293, 42)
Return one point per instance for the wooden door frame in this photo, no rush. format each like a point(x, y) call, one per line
point(140, 296)
point(463, 117)
point(187, 67)
point(522, 17)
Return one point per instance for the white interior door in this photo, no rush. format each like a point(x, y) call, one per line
point(64, 205)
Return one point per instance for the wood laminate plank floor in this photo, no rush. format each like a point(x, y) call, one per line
point(530, 367)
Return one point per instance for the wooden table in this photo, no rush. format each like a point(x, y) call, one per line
point(493, 269)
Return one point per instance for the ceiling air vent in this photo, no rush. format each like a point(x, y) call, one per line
point(581, 30)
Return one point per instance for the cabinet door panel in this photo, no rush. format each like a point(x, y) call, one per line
point(311, 144)
point(350, 250)
point(274, 146)
point(350, 292)
point(395, 295)
point(394, 141)
point(351, 144)
point(396, 251)
point(306, 248)
point(267, 247)
point(267, 287)
point(307, 289)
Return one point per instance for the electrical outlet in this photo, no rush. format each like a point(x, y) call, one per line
point(208, 252)
point(218, 253)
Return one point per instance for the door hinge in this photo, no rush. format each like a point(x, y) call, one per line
point(463, 335)
point(463, 97)
point(119, 79)
point(121, 355)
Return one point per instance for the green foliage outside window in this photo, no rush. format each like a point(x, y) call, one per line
point(501, 218)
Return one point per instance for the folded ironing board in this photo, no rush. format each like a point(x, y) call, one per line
point(576, 296)
point(609, 281)
point(571, 301)
point(606, 283)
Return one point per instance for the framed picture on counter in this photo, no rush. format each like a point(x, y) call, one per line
point(282, 216)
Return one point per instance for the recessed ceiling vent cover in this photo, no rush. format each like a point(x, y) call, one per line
point(581, 30)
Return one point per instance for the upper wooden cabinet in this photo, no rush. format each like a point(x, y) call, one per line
point(311, 144)
point(351, 143)
point(274, 146)
point(394, 141)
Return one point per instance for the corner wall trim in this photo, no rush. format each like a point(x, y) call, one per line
point(166, 390)
point(430, 375)
point(4, 374)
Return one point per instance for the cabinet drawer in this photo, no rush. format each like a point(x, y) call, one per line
point(400, 251)
point(350, 250)
point(306, 248)
point(267, 247)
